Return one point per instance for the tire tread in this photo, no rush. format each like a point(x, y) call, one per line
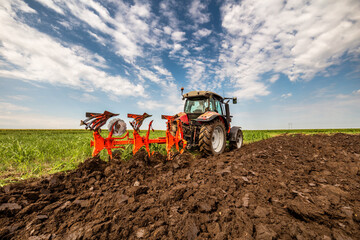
point(205, 137)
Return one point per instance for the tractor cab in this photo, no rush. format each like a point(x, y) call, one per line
point(199, 102)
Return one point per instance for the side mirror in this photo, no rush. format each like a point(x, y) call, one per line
point(234, 100)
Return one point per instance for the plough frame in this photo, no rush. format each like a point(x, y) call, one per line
point(99, 143)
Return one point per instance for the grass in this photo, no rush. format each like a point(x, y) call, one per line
point(32, 153)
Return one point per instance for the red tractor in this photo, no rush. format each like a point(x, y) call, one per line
point(206, 122)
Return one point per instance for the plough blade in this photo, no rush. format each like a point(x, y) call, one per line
point(138, 120)
point(95, 121)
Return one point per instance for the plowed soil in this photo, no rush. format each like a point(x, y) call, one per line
point(287, 187)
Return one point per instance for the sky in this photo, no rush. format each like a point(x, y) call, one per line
point(291, 64)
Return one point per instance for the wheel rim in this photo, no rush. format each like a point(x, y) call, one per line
point(217, 139)
point(239, 141)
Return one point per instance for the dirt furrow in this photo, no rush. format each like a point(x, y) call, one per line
point(287, 187)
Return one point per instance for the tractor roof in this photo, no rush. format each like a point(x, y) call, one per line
point(201, 94)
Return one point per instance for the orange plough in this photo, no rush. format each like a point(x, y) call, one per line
point(96, 120)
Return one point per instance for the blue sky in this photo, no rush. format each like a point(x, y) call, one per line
point(287, 62)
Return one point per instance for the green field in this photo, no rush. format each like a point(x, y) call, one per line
point(32, 153)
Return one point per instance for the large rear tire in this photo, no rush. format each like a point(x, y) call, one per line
point(238, 141)
point(212, 138)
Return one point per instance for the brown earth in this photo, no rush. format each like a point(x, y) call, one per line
point(287, 187)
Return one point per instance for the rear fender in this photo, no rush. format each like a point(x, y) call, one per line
point(211, 116)
point(233, 132)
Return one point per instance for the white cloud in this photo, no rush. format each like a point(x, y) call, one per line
point(167, 30)
point(199, 48)
point(99, 39)
point(6, 107)
point(25, 55)
point(150, 75)
point(132, 27)
point(185, 52)
point(249, 90)
point(18, 97)
point(66, 24)
point(167, 9)
point(171, 102)
point(18, 4)
point(319, 113)
point(325, 113)
point(150, 105)
point(197, 12)
point(357, 92)
point(297, 38)
point(204, 32)
point(286, 95)
point(162, 71)
point(129, 29)
point(306, 113)
point(84, 97)
point(197, 74)
point(178, 36)
point(176, 47)
point(274, 78)
point(52, 5)
point(36, 121)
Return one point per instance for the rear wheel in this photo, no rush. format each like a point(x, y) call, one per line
point(238, 141)
point(212, 138)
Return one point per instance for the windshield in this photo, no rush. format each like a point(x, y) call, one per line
point(196, 105)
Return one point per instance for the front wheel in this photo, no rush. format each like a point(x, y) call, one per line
point(238, 141)
point(212, 138)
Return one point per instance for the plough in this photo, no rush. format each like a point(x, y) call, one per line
point(117, 127)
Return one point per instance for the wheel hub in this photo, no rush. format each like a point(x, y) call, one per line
point(239, 142)
point(217, 139)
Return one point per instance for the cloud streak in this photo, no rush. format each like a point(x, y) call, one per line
point(30, 55)
point(297, 38)
point(255, 44)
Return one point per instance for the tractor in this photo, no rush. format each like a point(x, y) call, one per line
point(206, 123)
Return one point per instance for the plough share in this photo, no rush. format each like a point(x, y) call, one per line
point(117, 127)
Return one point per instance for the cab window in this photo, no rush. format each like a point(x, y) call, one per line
point(196, 105)
point(212, 105)
point(218, 107)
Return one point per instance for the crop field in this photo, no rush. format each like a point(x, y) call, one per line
point(31, 153)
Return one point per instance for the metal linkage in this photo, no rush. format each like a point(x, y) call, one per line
point(95, 121)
